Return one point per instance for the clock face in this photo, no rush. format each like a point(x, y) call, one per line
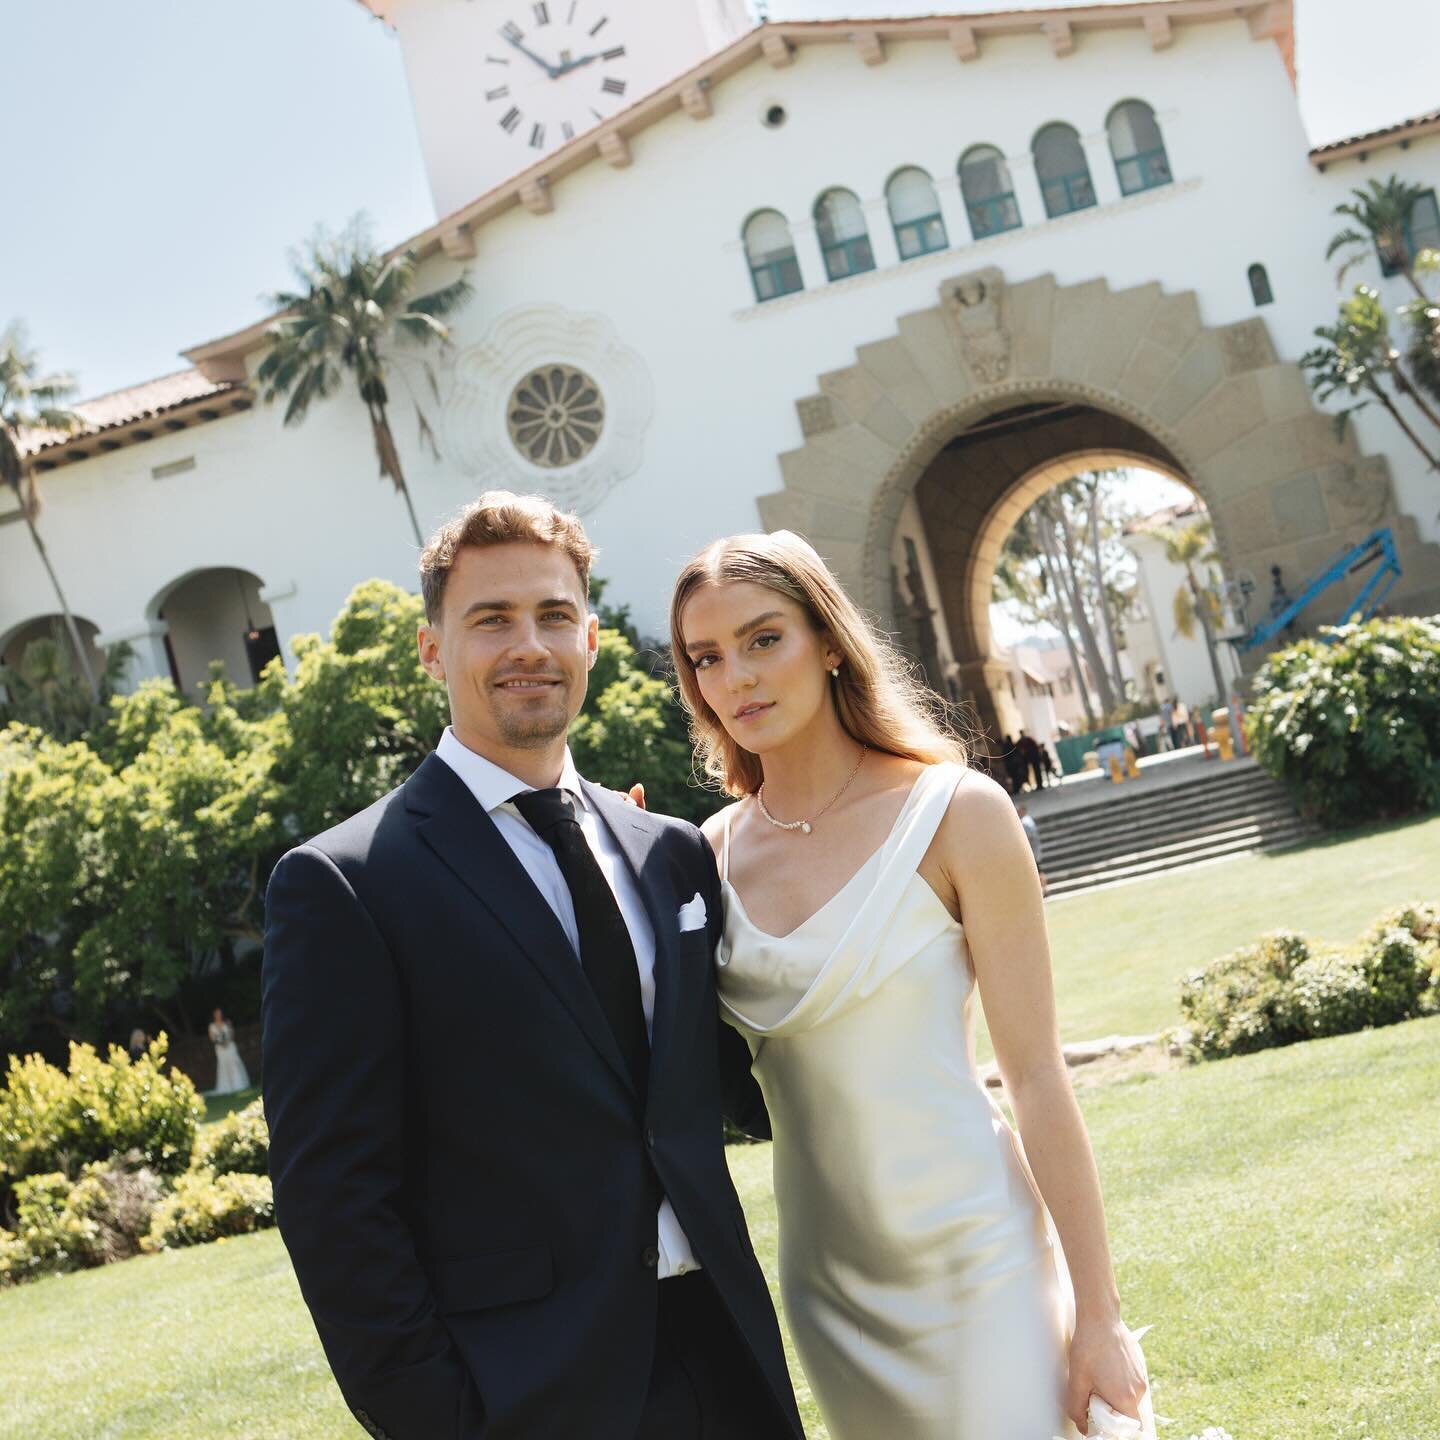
point(553, 69)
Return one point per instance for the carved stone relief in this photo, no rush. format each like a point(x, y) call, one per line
point(974, 305)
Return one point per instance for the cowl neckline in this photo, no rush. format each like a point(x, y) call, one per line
point(842, 952)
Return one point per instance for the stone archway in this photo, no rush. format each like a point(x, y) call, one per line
point(1144, 378)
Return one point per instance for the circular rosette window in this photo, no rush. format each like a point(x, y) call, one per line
point(556, 416)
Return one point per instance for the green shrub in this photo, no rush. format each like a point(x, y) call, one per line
point(1330, 995)
point(54, 1121)
point(97, 1220)
point(1242, 1002)
point(1279, 991)
point(237, 1145)
point(1353, 727)
point(1396, 970)
point(205, 1207)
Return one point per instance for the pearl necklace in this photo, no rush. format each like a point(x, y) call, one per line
point(806, 826)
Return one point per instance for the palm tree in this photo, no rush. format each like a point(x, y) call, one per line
point(30, 401)
point(1380, 215)
point(1196, 600)
point(1356, 353)
point(353, 314)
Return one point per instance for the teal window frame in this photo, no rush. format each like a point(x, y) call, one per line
point(1070, 185)
point(1154, 171)
point(784, 276)
point(1414, 246)
point(858, 257)
point(997, 211)
point(929, 233)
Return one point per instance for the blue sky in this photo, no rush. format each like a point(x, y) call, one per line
point(167, 155)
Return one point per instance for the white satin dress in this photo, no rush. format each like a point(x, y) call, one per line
point(922, 1280)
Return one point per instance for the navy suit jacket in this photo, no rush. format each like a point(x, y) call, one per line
point(464, 1174)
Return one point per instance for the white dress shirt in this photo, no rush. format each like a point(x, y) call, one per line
point(493, 788)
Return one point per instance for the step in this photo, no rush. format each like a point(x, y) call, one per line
point(1107, 876)
point(1098, 843)
point(1073, 859)
point(1181, 848)
point(1130, 798)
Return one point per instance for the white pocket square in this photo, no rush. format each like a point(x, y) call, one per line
point(692, 914)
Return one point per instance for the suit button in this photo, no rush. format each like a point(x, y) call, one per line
point(650, 1138)
point(650, 1257)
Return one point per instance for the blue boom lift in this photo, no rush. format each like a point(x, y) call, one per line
point(1379, 546)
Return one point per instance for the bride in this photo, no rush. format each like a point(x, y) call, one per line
point(872, 884)
point(230, 1073)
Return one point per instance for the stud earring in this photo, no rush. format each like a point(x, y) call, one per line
point(835, 671)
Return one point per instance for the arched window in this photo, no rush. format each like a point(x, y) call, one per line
point(843, 237)
point(771, 253)
point(1062, 170)
point(989, 195)
point(915, 213)
point(1138, 147)
point(1260, 286)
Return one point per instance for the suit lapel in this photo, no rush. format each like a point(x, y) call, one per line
point(464, 837)
point(635, 834)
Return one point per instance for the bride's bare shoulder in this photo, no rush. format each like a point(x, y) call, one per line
point(980, 824)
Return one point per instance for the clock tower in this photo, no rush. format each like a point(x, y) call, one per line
point(499, 84)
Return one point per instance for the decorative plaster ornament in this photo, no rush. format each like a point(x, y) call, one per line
point(550, 401)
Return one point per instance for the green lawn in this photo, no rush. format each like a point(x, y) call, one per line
point(1272, 1216)
point(1119, 954)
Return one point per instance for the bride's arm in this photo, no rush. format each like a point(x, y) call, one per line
point(984, 854)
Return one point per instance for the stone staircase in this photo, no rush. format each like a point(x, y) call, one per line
point(1127, 832)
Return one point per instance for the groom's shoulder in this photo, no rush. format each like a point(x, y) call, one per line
point(361, 839)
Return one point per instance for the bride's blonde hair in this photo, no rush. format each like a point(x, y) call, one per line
point(879, 701)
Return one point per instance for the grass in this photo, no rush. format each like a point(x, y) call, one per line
point(217, 1107)
point(1273, 1216)
point(1120, 954)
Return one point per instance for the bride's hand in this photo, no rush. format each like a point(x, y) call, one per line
point(1105, 1360)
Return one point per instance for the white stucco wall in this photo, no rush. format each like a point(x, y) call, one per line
point(654, 249)
point(1184, 660)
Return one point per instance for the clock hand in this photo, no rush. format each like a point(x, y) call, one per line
point(570, 65)
point(545, 65)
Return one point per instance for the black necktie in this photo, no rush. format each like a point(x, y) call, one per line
point(607, 953)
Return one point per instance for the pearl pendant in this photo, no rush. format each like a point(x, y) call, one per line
point(804, 827)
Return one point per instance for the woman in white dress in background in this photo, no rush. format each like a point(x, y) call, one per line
point(230, 1072)
point(871, 883)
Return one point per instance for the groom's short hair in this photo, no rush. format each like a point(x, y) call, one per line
point(500, 517)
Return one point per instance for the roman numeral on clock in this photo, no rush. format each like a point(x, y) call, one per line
point(567, 129)
point(613, 86)
point(510, 120)
point(574, 6)
point(542, 12)
point(537, 137)
point(616, 54)
point(499, 94)
point(600, 24)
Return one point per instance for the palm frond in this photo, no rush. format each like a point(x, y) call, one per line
point(446, 299)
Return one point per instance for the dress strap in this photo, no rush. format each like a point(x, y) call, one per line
point(725, 844)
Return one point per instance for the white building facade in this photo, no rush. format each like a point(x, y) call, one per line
point(881, 281)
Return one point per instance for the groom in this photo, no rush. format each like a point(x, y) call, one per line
point(494, 1070)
